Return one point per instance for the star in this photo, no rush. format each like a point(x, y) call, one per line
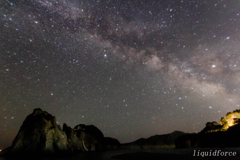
point(119, 63)
point(213, 66)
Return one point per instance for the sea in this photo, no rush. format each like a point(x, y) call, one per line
point(130, 154)
point(103, 155)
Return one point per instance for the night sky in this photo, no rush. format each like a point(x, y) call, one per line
point(132, 68)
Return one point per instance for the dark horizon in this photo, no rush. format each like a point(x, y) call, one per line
point(131, 68)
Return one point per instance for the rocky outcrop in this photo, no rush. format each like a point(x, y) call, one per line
point(111, 143)
point(224, 134)
point(74, 139)
point(40, 134)
point(93, 137)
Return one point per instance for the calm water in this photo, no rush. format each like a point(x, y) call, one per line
point(181, 154)
point(106, 155)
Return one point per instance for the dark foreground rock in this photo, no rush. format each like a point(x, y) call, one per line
point(40, 135)
point(225, 134)
point(155, 142)
point(111, 143)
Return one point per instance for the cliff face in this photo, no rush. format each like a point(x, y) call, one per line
point(93, 138)
point(40, 134)
point(74, 140)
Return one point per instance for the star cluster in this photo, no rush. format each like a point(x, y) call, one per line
point(132, 68)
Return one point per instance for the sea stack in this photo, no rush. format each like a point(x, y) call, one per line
point(39, 133)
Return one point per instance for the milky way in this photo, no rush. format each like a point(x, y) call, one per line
point(132, 68)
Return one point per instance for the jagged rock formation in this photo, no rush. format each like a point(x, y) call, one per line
point(223, 134)
point(40, 134)
point(74, 140)
point(155, 142)
point(94, 139)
